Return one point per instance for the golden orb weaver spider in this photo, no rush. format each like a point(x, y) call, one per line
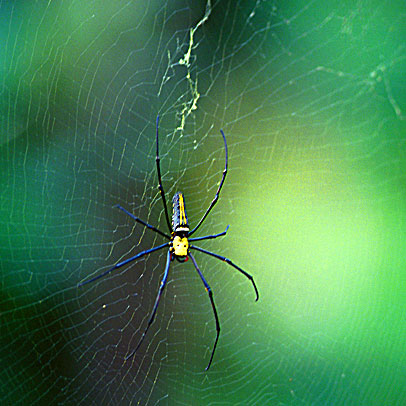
point(179, 246)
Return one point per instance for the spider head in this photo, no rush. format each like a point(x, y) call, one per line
point(180, 246)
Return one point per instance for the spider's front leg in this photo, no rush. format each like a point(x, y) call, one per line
point(210, 293)
point(158, 298)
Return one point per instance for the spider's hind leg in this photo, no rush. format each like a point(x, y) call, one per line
point(216, 197)
point(138, 220)
point(161, 188)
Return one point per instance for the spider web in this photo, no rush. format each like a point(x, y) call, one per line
point(311, 97)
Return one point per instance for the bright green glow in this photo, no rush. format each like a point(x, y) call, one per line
point(314, 233)
point(328, 257)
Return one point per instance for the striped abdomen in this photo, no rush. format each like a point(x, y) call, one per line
point(179, 217)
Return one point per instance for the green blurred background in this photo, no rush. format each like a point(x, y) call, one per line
point(311, 97)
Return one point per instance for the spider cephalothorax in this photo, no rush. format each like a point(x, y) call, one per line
point(179, 246)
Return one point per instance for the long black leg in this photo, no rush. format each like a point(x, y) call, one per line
point(120, 264)
point(151, 319)
point(161, 189)
point(207, 237)
point(208, 290)
point(138, 220)
point(214, 201)
point(230, 263)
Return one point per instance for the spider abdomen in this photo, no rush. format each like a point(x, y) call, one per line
point(179, 218)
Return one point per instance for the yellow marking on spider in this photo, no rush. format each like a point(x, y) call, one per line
point(180, 246)
point(182, 211)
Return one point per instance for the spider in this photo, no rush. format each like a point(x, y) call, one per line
point(179, 246)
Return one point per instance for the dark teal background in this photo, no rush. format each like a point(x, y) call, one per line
point(311, 97)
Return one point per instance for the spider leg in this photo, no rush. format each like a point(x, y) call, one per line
point(138, 220)
point(230, 263)
point(161, 189)
point(207, 237)
point(120, 264)
point(151, 319)
point(208, 290)
point(214, 201)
